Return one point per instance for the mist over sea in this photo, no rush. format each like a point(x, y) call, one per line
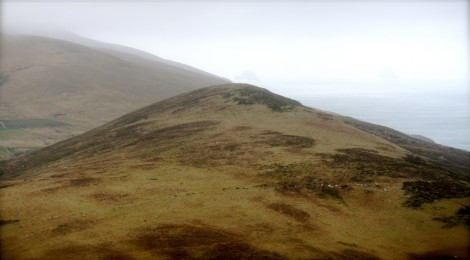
point(442, 114)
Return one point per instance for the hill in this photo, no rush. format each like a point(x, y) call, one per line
point(82, 86)
point(123, 52)
point(236, 172)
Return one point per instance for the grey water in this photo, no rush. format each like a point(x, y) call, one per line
point(442, 115)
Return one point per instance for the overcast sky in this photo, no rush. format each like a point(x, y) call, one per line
point(279, 41)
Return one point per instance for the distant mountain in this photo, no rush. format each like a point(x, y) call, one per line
point(81, 85)
point(124, 52)
point(236, 172)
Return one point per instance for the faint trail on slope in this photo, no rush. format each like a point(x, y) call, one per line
point(8, 151)
point(3, 125)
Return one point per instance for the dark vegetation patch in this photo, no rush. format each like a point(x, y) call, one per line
point(324, 116)
point(324, 190)
point(462, 216)
point(347, 244)
point(290, 211)
point(367, 163)
point(110, 197)
point(448, 254)
point(59, 175)
point(73, 226)
point(130, 130)
point(420, 192)
point(456, 160)
point(197, 242)
point(238, 251)
point(241, 128)
point(173, 133)
point(100, 251)
point(3, 165)
point(85, 181)
point(364, 166)
point(277, 139)
point(2, 186)
point(31, 123)
point(251, 95)
point(352, 254)
point(218, 153)
point(302, 180)
point(290, 188)
point(214, 155)
point(4, 222)
point(174, 236)
point(52, 189)
point(289, 171)
point(223, 152)
point(288, 178)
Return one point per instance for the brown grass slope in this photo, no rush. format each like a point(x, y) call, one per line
point(232, 172)
point(83, 86)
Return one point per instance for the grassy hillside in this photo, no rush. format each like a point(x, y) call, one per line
point(232, 172)
point(42, 78)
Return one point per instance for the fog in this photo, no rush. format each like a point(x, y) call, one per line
point(301, 49)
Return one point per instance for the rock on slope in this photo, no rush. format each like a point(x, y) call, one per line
point(233, 171)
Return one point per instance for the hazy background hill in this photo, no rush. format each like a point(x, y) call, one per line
point(83, 86)
point(124, 52)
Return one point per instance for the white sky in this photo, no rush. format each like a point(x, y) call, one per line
point(280, 41)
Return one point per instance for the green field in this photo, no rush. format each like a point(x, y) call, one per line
point(19, 130)
point(4, 153)
point(6, 134)
point(30, 123)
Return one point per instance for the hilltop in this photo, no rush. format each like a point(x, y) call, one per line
point(82, 84)
point(236, 171)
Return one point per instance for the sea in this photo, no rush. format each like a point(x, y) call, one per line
point(435, 111)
